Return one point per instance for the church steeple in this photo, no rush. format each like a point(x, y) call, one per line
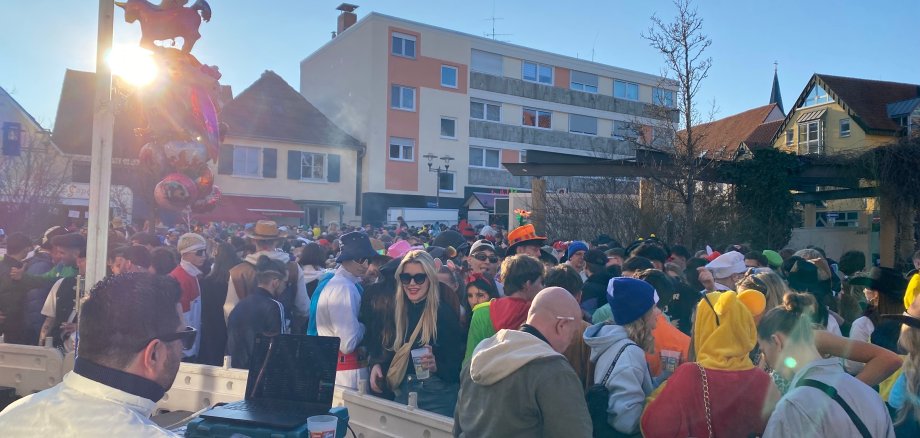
point(775, 96)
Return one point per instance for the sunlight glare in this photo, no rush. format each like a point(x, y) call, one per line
point(133, 64)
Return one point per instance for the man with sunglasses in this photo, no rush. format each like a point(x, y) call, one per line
point(483, 260)
point(193, 249)
point(132, 334)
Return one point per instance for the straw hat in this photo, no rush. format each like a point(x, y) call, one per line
point(264, 230)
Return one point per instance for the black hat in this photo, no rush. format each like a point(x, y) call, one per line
point(886, 281)
point(355, 245)
point(596, 257)
point(604, 239)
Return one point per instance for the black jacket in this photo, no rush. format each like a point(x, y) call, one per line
point(594, 292)
point(213, 327)
point(256, 314)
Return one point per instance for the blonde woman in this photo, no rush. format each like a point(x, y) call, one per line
point(905, 396)
point(618, 350)
point(424, 323)
point(767, 282)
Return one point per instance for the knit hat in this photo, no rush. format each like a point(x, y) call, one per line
point(629, 299)
point(189, 242)
point(596, 257)
point(355, 245)
point(727, 264)
point(574, 247)
point(773, 258)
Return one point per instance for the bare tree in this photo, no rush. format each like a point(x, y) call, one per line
point(31, 184)
point(682, 44)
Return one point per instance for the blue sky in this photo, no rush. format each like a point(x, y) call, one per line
point(876, 40)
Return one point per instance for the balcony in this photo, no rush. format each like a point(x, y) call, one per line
point(602, 146)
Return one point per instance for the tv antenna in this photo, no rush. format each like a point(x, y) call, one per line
point(493, 19)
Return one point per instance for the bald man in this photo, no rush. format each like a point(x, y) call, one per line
point(517, 382)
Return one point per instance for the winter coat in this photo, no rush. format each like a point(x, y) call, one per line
point(516, 385)
point(594, 292)
point(213, 326)
point(38, 265)
point(629, 383)
point(258, 314)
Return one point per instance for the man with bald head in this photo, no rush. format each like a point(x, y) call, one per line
point(519, 384)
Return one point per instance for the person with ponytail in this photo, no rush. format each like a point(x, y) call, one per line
point(823, 400)
point(422, 321)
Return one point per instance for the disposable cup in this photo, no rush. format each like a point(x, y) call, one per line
point(669, 360)
point(420, 371)
point(322, 426)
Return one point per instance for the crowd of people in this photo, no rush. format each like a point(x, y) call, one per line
point(505, 331)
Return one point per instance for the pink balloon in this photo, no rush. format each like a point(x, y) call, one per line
point(184, 155)
point(205, 113)
point(175, 192)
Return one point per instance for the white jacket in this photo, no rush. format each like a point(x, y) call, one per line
point(80, 407)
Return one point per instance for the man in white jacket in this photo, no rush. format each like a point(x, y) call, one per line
point(338, 305)
point(131, 338)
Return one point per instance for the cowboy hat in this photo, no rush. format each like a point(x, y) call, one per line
point(264, 230)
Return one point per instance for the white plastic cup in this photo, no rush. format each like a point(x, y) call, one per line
point(420, 371)
point(322, 426)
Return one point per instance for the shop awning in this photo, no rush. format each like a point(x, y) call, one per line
point(236, 208)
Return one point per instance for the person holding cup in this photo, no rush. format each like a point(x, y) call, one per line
point(428, 340)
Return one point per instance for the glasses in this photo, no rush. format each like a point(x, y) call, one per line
point(201, 252)
point(565, 318)
point(187, 337)
point(405, 278)
point(482, 257)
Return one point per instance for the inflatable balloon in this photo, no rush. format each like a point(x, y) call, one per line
point(183, 155)
point(204, 180)
point(207, 203)
point(205, 113)
point(175, 192)
point(152, 159)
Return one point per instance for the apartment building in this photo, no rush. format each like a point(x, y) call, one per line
point(416, 94)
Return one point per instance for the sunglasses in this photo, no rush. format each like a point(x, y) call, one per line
point(201, 252)
point(405, 278)
point(187, 337)
point(482, 257)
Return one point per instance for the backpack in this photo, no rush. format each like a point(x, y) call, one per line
point(598, 397)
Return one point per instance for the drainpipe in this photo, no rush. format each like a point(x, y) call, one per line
point(359, 176)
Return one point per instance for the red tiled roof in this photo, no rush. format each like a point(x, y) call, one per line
point(868, 99)
point(762, 137)
point(722, 137)
point(271, 109)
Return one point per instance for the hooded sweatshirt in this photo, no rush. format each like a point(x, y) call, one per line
point(490, 317)
point(516, 385)
point(629, 383)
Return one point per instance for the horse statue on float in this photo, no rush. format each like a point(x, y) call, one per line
point(168, 20)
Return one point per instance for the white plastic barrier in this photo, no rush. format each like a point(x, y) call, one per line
point(199, 386)
point(30, 369)
point(374, 417)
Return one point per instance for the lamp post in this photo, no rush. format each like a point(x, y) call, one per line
point(446, 159)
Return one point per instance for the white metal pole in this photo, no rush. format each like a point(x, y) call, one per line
point(100, 180)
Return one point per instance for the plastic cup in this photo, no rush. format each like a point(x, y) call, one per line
point(420, 371)
point(669, 360)
point(322, 426)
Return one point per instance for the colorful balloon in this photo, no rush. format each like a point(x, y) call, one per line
point(208, 203)
point(152, 159)
point(204, 180)
point(205, 113)
point(175, 192)
point(185, 155)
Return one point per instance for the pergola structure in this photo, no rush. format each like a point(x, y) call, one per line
point(650, 163)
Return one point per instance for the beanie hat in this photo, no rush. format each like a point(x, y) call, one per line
point(773, 258)
point(629, 299)
point(574, 247)
point(189, 242)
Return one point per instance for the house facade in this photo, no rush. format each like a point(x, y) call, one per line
point(283, 159)
point(417, 94)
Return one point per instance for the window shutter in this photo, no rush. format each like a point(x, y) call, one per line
point(269, 163)
point(334, 163)
point(225, 161)
point(293, 164)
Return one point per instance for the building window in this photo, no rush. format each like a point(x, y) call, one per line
point(817, 96)
point(403, 45)
point(837, 219)
point(810, 137)
point(537, 118)
point(790, 137)
point(446, 182)
point(623, 130)
point(582, 81)
point(247, 161)
point(486, 62)
point(625, 90)
point(582, 124)
point(402, 98)
point(844, 127)
point(312, 166)
point(448, 127)
point(448, 76)
point(583, 87)
point(523, 155)
point(662, 97)
point(485, 111)
point(402, 149)
point(484, 157)
point(536, 72)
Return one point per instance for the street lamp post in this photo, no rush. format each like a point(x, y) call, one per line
point(446, 160)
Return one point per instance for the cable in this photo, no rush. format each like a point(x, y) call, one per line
point(352, 431)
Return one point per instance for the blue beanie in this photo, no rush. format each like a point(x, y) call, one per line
point(574, 247)
point(629, 299)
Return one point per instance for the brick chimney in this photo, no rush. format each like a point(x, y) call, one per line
point(347, 18)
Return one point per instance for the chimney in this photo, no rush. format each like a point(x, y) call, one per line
point(347, 18)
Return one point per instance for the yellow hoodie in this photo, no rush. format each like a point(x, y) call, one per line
point(726, 345)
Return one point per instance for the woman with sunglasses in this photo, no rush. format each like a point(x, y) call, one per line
point(422, 322)
point(767, 282)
